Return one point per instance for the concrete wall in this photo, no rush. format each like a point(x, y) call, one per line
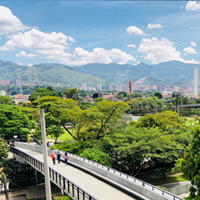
point(106, 175)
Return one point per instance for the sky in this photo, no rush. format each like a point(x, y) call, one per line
point(81, 32)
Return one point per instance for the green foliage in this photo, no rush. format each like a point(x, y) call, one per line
point(164, 153)
point(12, 122)
point(31, 113)
point(158, 94)
point(4, 148)
point(95, 155)
point(135, 95)
point(129, 148)
point(142, 106)
point(55, 131)
point(167, 121)
point(190, 162)
point(121, 95)
point(6, 100)
point(76, 147)
point(71, 93)
point(41, 92)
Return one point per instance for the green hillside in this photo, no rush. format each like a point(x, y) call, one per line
point(171, 72)
point(42, 74)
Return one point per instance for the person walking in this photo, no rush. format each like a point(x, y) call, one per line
point(66, 158)
point(53, 157)
point(58, 157)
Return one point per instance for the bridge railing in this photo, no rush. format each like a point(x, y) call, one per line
point(188, 105)
point(61, 181)
point(125, 176)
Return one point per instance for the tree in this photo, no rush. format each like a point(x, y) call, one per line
point(190, 162)
point(107, 112)
point(96, 155)
point(12, 122)
point(164, 153)
point(55, 131)
point(121, 95)
point(4, 148)
point(41, 92)
point(129, 148)
point(6, 100)
point(71, 93)
point(158, 94)
point(168, 121)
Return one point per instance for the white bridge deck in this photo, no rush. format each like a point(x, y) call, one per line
point(96, 187)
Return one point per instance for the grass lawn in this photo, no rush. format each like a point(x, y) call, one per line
point(191, 120)
point(189, 198)
point(63, 137)
point(156, 177)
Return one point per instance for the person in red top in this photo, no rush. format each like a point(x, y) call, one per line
point(53, 157)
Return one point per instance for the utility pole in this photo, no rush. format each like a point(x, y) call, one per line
point(5, 187)
point(178, 104)
point(45, 156)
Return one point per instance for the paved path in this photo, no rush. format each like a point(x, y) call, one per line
point(176, 184)
point(94, 186)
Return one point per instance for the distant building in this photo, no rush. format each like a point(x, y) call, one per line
point(160, 86)
point(99, 87)
point(124, 88)
point(109, 87)
point(4, 82)
point(20, 98)
point(84, 86)
point(3, 92)
point(97, 95)
point(129, 87)
point(19, 82)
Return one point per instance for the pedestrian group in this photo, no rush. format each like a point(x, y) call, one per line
point(54, 156)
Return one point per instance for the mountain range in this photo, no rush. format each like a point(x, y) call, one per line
point(170, 73)
point(46, 74)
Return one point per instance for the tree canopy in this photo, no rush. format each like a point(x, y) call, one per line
point(13, 122)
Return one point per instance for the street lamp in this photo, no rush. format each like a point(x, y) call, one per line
point(15, 137)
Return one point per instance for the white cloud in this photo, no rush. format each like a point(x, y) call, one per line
point(24, 54)
point(160, 50)
point(100, 55)
point(9, 23)
point(132, 45)
point(134, 30)
point(189, 50)
point(193, 44)
point(191, 61)
point(151, 26)
point(51, 45)
point(30, 65)
point(192, 5)
point(195, 28)
point(19, 63)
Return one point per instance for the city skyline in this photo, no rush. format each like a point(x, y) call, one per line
point(78, 33)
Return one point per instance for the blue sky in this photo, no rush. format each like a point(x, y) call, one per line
point(82, 32)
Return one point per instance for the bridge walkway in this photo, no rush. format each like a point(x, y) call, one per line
point(96, 187)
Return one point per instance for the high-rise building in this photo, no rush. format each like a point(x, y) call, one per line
point(84, 86)
point(98, 86)
point(124, 88)
point(19, 82)
point(160, 86)
point(129, 87)
point(195, 83)
point(109, 87)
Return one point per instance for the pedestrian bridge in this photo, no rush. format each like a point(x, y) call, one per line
point(84, 179)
